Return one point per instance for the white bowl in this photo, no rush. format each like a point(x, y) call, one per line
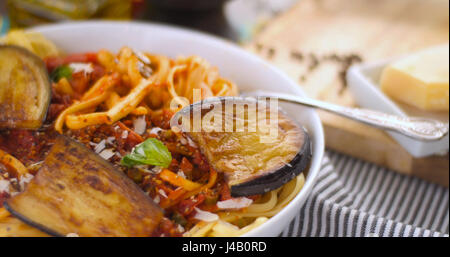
point(247, 70)
point(363, 81)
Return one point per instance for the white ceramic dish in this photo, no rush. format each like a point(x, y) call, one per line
point(363, 81)
point(247, 70)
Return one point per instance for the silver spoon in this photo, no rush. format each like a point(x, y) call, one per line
point(423, 129)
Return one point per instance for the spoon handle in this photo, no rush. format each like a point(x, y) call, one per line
point(418, 128)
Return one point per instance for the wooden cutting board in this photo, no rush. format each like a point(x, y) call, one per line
point(317, 40)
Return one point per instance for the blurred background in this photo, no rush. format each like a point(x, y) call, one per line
point(233, 19)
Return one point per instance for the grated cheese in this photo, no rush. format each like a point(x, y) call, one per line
point(100, 146)
point(181, 174)
point(156, 169)
point(140, 125)
point(155, 130)
point(142, 57)
point(4, 186)
point(162, 193)
point(191, 143)
point(25, 180)
point(235, 203)
point(144, 70)
point(81, 67)
point(180, 228)
point(110, 140)
point(287, 164)
point(124, 134)
point(107, 153)
point(205, 215)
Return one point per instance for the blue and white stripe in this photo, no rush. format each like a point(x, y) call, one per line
point(355, 198)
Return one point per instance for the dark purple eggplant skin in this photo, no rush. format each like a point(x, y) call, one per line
point(276, 179)
point(30, 222)
point(39, 66)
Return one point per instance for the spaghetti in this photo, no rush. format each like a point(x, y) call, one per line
point(112, 102)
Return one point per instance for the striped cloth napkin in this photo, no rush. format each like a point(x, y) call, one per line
point(353, 198)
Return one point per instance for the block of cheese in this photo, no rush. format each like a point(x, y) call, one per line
point(420, 80)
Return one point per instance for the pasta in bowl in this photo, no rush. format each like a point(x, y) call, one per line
point(116, 100)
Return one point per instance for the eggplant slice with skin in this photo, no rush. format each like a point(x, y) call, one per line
point(253, 161)
point(25, 89)
point(76, 191)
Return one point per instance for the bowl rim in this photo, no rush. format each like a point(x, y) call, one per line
point(316, 161)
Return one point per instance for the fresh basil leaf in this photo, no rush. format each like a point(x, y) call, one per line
point(150, 152)
point(60, 72)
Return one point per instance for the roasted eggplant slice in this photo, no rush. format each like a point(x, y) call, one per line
point(255, 161)
point(279, 168)
point(13, 227)
point(76, 191)
point(25, 89)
